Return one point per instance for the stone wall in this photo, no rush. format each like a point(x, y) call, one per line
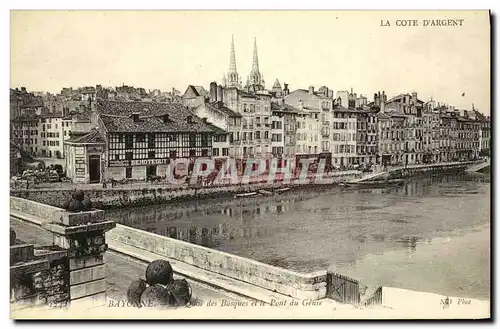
point(72, 270)
point(286, 282)
point(128, 197)
point(39, 276)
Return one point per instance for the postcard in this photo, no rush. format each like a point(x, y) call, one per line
point(250, 164)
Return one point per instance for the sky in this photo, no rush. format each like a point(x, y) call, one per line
point(338, 49)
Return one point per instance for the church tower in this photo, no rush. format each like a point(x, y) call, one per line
point(232, 79)
point(255, 79)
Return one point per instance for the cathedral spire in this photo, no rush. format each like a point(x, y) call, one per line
point(255, 64)
point(232, 78)
point(232, 59)
point(255, 78)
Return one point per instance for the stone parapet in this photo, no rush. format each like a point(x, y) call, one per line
point(72, 270)
point(286, 282)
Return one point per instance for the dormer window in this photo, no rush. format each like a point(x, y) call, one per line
point(189, 119)
point(166, 118)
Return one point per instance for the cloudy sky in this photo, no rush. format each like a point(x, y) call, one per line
point(342, 50)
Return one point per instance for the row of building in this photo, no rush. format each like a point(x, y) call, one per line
point(109, 138)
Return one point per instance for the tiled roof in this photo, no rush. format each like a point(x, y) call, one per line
point(382, 115)
point(310, 108)
point(93, 137)
point(224, 109)
point(153, 124)
point(51, 115)
point(343, 109)
point(395, 114)
point(217, 130)
point(33, 103)
point(116, 116)
point(201, 91)
point(25, 118)
point(284, 108)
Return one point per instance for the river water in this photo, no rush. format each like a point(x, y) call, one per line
point(432, 234)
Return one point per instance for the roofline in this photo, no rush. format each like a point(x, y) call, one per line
point(74, 143)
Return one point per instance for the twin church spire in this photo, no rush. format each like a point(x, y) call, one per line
point(255, 78)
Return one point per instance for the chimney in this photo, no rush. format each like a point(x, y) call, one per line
point(285, 89)
point(213, 92)
point(311, 90)
point(219, 94)
point(414, 98)
point(382, 101)
point(135, 116)
point(166, 118)
point(376, 100)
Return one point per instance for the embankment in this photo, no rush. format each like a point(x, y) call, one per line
point(120, 197)
point(133, 197)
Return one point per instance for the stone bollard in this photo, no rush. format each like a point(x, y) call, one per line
point(82, 235)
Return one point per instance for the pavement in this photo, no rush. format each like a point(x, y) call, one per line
point(121, 270)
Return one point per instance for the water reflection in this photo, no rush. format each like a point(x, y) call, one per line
point(309, 229)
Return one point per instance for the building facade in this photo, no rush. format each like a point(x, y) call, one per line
point(141, 139)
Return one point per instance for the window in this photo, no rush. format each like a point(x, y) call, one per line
point(117, 157)
point(151, 141)
point(192, 140)
point(225, 151)
point(192, 153)
point(128, 172)
point(204, 140)
point(129, 141)
point(172, 154)
point(139, 138)
point(129, 155)
point(215, 152)
point(204, 152)
point(151, 154)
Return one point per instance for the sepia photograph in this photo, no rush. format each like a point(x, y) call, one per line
point(263, 164)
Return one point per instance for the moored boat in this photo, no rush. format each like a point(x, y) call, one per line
point(264, 192)
point(375, 183)
point(245, 195)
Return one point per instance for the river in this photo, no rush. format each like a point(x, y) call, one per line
point(432, 234)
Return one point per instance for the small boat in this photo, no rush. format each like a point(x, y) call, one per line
point(245, 195)
point(281, 190)
point(264, 192)
point(376, 184)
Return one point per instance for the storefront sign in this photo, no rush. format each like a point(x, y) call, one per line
point(142, 162)
point(94, 149)
point(119, 163)
point(149, 162)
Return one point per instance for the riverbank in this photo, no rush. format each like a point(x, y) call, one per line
point(392, 230)
point(120, 197)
